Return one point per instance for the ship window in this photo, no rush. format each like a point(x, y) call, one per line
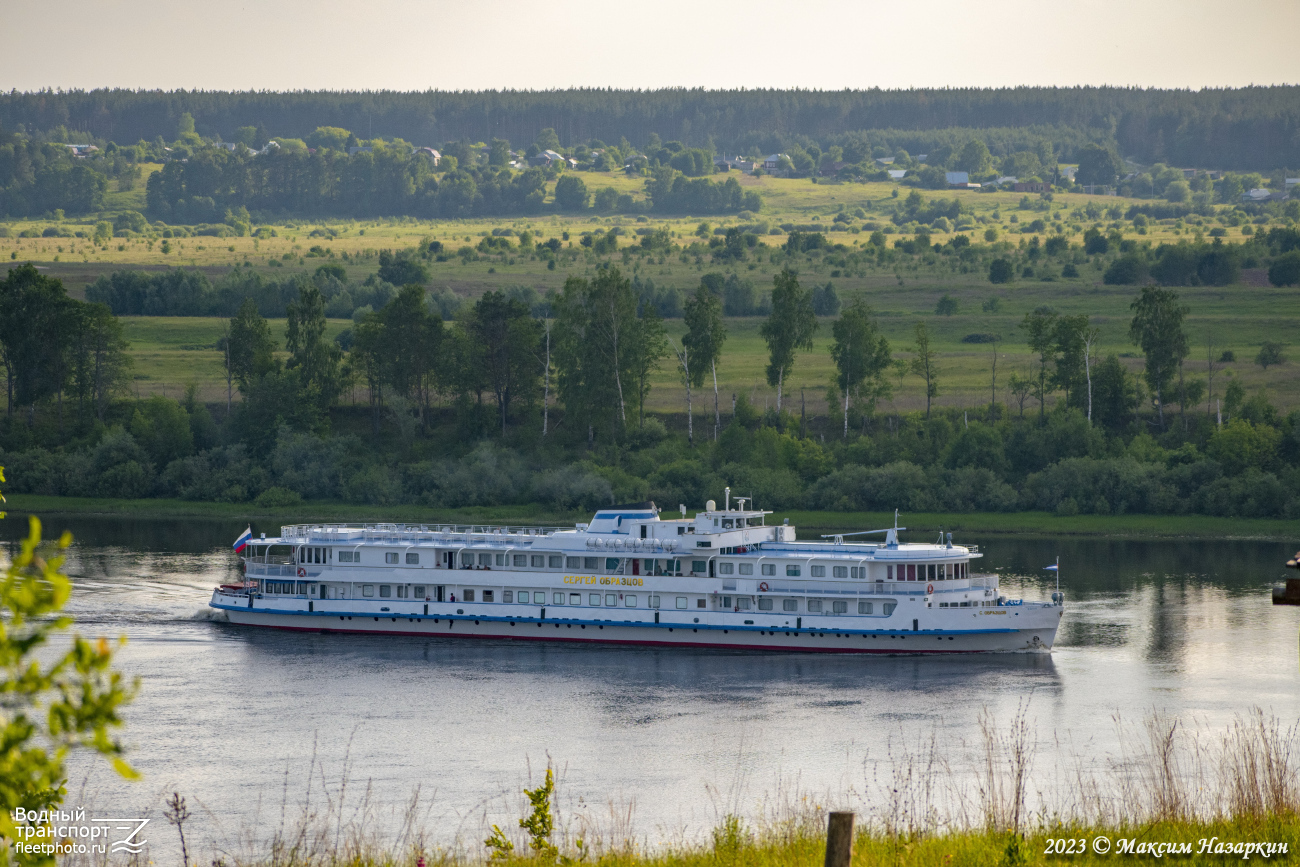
point(555, 561)
point(842, 571)
point(467, 560)
point(345, 556)
point(888, 608)
point(499, 559)
point(858, 571)
point(419, 591)
point(889, 571)
point(509, 596)
point(792, 571)
point(700, 603)
point(575, 598)
point(746, 568)
point(629, 600)
point(943, 604)
point(538, 561)
point(681, 601)
point(789, 604)
point(557, 598)
point(932, 572)
point(572, 562)
point(367, 590)
point(385, 590)
point(742, 602)
point(726, 601)
point(839, 607)
point(765, 603)
point(947, 571)
point(611, 564)
point(412, 559)
point(699, 566)
point(521, 559)
point(590, 563)
point(769, 568)
point(469, 596)
point(487, 595)
point(865, 607)
point(911, 571)
point(611, 599)
point(485, 559)
point(654, 601)
point(402, 591)
point(593, 598)
point(390, 557)
point(814, 606)
point(818, 571)
point(726, 568)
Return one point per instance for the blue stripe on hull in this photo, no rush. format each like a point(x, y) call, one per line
point(611, 623)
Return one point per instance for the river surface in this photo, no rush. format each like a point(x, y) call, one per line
point(650, 744)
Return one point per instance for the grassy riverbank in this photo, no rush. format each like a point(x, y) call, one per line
point(793, 847)
point(808, 522)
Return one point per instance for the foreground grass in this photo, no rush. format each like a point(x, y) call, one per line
point(793, 847)
point(810, 523)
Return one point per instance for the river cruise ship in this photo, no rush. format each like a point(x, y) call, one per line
point(722, 579)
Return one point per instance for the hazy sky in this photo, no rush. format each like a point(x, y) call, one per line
point(434, 44)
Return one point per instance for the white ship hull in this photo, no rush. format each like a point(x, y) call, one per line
point(1028, 628)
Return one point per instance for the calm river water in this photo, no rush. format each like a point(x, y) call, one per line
point(655, 744)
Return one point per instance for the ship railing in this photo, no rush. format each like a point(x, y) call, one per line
point(271, 570)
point(987, 579)
point(473, 534)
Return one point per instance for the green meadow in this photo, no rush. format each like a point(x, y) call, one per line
point(172, 353)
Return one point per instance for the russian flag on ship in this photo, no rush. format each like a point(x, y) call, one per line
point(243, 540)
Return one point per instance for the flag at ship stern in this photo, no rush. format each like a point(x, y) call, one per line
point(243, 540)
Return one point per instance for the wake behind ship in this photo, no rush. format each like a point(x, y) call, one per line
point(723, 579)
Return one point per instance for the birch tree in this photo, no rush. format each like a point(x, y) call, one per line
point(925, 363)
point(790, 327)
point(1157, 327)
point(1089, 341)
point(862, 358)
point(684, 366)
point(596, 346)
point(705, 334)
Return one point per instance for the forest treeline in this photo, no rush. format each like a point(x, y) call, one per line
point(395, 180)
point(500, 405)
point(1251, 128)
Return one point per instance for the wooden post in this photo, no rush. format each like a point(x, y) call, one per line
point(839, 840)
